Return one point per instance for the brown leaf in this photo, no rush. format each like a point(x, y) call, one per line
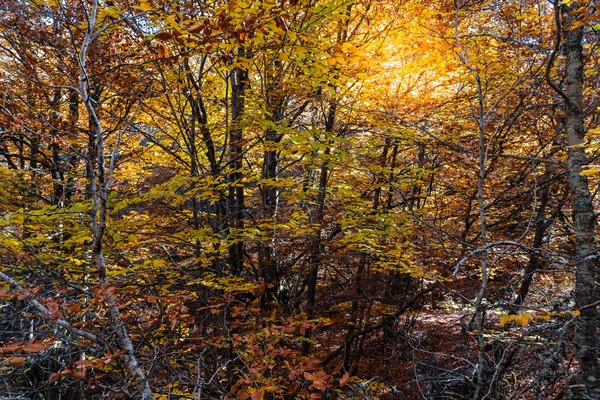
point(311, 366)
point(83, 363)
point(34, 347)
point(196, 28)
point(37, 289)
point(10, 348)
point(163, 35)
point(162, 51)
point(17, 361)
point(293, 388)
point(80, 375)
point(57, 375)
point(344, 379)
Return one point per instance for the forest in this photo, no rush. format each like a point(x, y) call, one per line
point(299, 199)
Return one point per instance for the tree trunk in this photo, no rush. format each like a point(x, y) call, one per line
point(238, 80)
point(584, 219)
point(541, 225)
point(269, 268)
point(315, 244)
point(101, 175)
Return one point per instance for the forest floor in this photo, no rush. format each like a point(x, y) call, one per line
point(434, 355)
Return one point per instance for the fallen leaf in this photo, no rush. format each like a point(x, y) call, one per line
point(17, 361)
point(344, 379)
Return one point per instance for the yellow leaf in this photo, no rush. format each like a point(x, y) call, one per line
point(348, 47)
point(504, 319)
point(596, 130)
point(544, 315)
point(523, 319)
point(144, 6)
point(590, 170)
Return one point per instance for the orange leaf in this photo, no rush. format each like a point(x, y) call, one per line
point(80, 375)
point(258, 395)
point(57, 375)
point(344, 379)
point(10, 348)
point(319, 385)
point(17, 361)
point(162, 51)
point(34, 347)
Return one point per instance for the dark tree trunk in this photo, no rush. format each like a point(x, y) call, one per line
point(315, 244)
point(269, 268)
point(535, 263)
point(584, 219)
point(238, 80)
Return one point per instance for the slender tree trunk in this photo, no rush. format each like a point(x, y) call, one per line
point(269, 268)
point(355, 325)
point(315, 244)
point(101, 176)
point(238, 79)
point(583, 211)
point(198, 125)
point(541, 225)
point(56, 166)
point(70, 179)
point(479, 304)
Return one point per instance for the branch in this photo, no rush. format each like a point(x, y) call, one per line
point(555, 51)
point(519, 245)
point(47, 314)
point(461, 149)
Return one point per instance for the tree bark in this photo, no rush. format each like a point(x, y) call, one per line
point(535, 263)
point(584, 219)
point(269, 268)
point(315, 244)
point(100, 187)
point(238, 79)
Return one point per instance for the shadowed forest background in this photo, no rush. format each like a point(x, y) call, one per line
point(299, 199)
